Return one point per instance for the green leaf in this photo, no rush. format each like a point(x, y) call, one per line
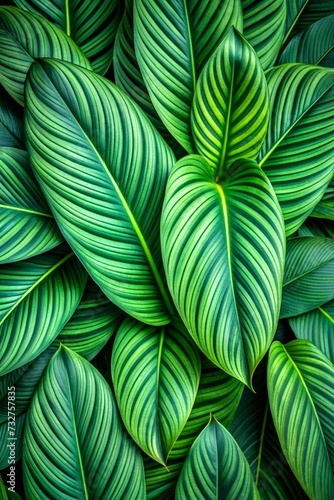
point(75, 445)
point(264, 27)
point(91, 25)
point(173, 41)
point(5, 493)
point(11, 130)
point(317, 227)
point(223, 248)
point(318, 327)
point(308, 276)
point(300, 387)
point(95, 141)
point(4, 435)
point(216, 468)
point(298, 151)
point(155, 373)
point(38, 297)
point(24, 37)
point(26, 225)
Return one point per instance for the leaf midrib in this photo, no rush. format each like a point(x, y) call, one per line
point(296, 19)
point(223, 153)
point(191, 47)
point(309, 271)
point(25, 210)
point(259, 456)
point(326, 314)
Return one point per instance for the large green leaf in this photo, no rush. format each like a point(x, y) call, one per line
point(216, 468)
point(301, 397)
point(223, 248)
point(264, 27)
point(308, 276)
point(27, 227)
point(318, 327)
point(37, 298)
point(230, 106)
point(75, 445)
point(24, 37)
point(298, 152)
point(11, 129)
point(88, 136)
point(155, 373)
point(92, 25)
point(173, 41)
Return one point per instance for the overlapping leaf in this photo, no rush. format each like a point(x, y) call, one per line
point(223, 250)
point(301, 14)
point(298, 152)
point(300, 387)
point(75, 445)
point(103, 169)
point(11, 130)
point(173, 42)
point(156, 373)
point(24, 37)
point(317, 227)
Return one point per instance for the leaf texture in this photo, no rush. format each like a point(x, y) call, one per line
point(11, 130)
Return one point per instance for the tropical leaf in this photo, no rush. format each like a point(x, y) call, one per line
point(4, 436)
point(232, 86)
point(75, 445)
point(155, 373)
point(37, 298)
point(318, 327)
point(313, 46)
point(309, 275)
point(223, 248)
point(24, 37)
point(11, 130)
point(300, 388)
point(95, 141)
point(264, 27)
point(216, 468)
point(92, 25)
point(301, 14)
point(173, 41)
point(298, 152)
point(26, 225)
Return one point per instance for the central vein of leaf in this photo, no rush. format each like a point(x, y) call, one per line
point(227, 128)
point(25, 210)
point(67, 17)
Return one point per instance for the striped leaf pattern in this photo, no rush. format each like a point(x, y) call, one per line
point(73, 413)
point(264, 27)
point(223, 249)
point(11, 132)
point(300, 387)
point(85, 133)
point(18, 47)
point(317, 326)
point(37, 298)
point(92, 25)
point(155, 373)
point(301, 14)
point(230, 107)
point(298, 151)
point(27, 227)
point(173, 41)
point(308, 276)
point(216, 468)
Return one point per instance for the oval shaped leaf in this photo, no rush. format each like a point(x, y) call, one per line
point(75, 444)
point(223, 249)
point(156, 373)
point(230, 106)
point(173, 41)
point(300, 387)
point(298, 151)
point(95, 141)
point(38, 297)
point(308, 275)
point(11, 129)
point(20, 43)
point(215, 468)
point(27, 227)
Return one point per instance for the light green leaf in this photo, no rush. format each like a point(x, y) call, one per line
point(298, 152)
point(11, 130)
point(91, 25)
point(309, 275)
point(84, 133)
point(155, 373)
point(4, 435)
point(75, 445)
point(24, 37)
point(27, 227)
point(37, 298)
point(230, 106)
point(216, 468)
point(300, 387)
point(173, 41)
point(264, 27)
point(223, 248)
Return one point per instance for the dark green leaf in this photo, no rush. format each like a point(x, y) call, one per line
point(11, 130)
